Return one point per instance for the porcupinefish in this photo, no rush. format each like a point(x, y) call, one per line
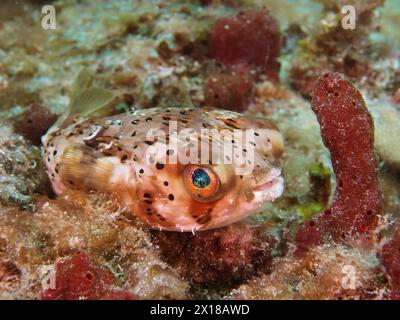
point(110, 154)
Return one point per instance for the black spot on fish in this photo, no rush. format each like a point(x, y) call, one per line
point(159, 166)
point(171, 197)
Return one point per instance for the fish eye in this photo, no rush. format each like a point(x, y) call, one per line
point(202, 183)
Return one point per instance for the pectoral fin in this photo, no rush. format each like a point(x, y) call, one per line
point(82, 167)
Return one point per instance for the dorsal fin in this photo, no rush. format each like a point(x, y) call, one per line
point(87, 100)
point(83, 81)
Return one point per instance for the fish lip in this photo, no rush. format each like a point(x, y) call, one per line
point(271, 179)
point(270, 189)
point(269, 184)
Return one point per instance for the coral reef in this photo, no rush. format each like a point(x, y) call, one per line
point(313, 243)
point(347, 130)
point(76, 223)
point(79, 279)
point(34, 123)
point(21, 172)
point(231, 89)
point(250, 37)
point(223, 256)
point(390, 256)
point(349, 51)
point(323, 273)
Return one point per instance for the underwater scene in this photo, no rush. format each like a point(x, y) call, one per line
point(202, 149)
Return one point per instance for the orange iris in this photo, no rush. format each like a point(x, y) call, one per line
point(202, 183)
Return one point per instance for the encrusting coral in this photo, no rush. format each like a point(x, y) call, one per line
point(34, 122)
point(222, 256)
point(21, 172)
point(319, 268)
point(75, 233)
point(250, 37)
point(390, 256)
point(324, 272)
point(79, 279)
point(331, 47)
point(232, 89)
point(247, 45)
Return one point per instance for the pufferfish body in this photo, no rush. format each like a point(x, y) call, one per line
point(113, 155)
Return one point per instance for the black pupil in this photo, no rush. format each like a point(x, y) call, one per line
point(200, 178)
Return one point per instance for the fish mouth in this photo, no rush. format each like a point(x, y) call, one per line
point(268, 185)
point(270, 189)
